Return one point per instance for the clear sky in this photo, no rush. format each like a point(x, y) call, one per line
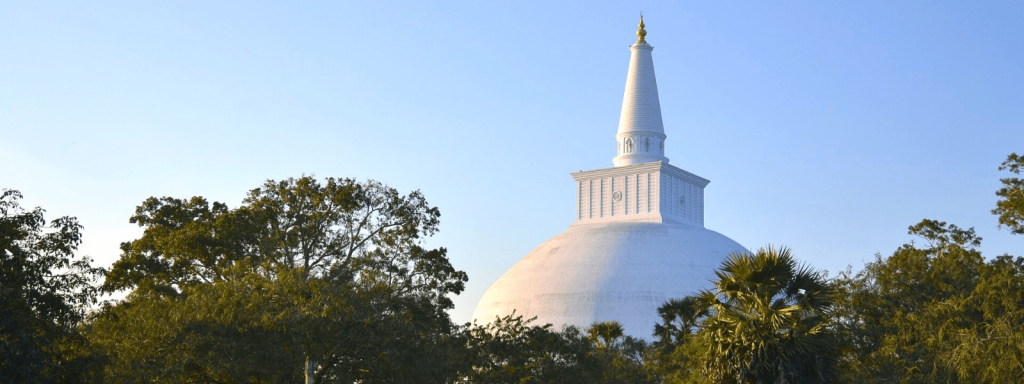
point(825, 126)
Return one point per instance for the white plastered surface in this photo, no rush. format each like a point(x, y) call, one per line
point(614, 271)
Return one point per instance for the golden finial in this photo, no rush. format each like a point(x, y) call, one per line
point(640, 32)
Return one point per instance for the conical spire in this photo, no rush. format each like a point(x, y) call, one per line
point(641, 135)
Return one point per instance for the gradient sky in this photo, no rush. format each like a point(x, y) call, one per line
point(828, 127)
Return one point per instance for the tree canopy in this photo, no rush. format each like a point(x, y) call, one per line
point(934, 313)
point(45, 291)
point(329, 281)
point(1010, 207)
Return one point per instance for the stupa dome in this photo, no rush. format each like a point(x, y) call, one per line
point(619, 271)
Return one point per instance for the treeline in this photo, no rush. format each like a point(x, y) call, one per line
point(328, 282)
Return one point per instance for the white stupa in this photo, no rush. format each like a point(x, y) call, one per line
point(638, 238)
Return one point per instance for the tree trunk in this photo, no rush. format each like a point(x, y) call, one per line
point(310, 370)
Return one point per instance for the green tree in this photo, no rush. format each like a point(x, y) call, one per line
point(938, 312)
point(934, 313)
point(326, 282)
point(45, 291)
point(903, 314)
point(766, 321)
point(510, 350)
point(625, 359)
point(992, 350)
point(679, 355)
point(1010, 206)
point(606, 334)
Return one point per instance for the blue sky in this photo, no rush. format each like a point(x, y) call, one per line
point(828, 127)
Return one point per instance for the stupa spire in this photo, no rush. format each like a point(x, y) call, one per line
point(641, 134)
point(640, 31)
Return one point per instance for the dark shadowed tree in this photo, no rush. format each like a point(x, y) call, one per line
point(510, 350)
point(679, 356)
point(45, 291)
point(625, 359)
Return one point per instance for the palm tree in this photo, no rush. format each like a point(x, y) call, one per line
point(679, 320)
point(606, 333)
point(765, 321)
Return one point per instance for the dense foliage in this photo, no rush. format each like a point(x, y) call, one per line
point(45, 291)
point(329, 282)
point(766, 321)
point(1010, 207)
point(326, 282)
point(937, 313)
